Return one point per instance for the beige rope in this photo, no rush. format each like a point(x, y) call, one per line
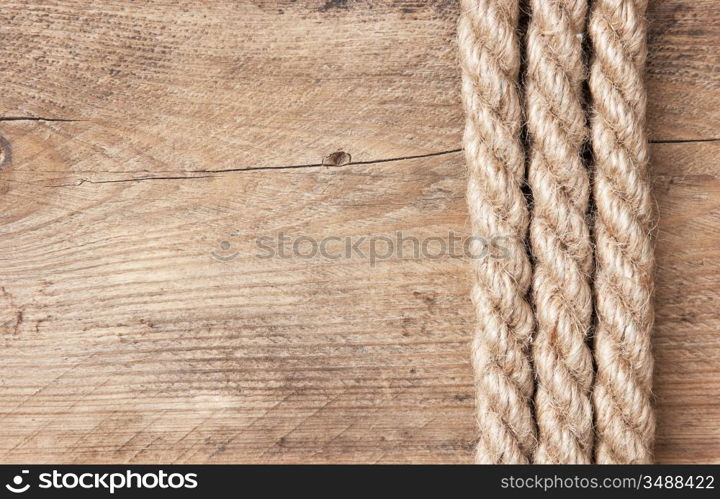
point(490, 57)
point(559, 231)
point(624, 253)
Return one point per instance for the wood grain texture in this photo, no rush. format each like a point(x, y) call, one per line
point(124, 340)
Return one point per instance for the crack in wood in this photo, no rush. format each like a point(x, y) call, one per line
point(259, 168)
point(37, 118)
point(684, 141)
point(318, 165)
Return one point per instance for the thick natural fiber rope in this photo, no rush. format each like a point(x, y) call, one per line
point(559, 231)
point(623, 280)
point(490, 56)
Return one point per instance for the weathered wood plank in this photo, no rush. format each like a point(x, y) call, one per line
point(683, 70)
point(178, 86)
point(211, 85)
point(126, 336)
point(124, 339)
point(687, 333)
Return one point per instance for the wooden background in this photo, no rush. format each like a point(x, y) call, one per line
point(137, 136)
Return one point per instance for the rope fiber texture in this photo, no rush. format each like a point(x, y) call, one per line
point(559, 232)
point(539, 404)
point(624, 219)
point(490, 60)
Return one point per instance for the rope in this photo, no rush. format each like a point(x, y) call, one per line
point(490, 59)
point(565, 400)
point(559, 231)
point(623, 280)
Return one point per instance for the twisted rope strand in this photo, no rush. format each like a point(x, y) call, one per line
point(624, 417)
point(490, 59)
point(559, 232)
